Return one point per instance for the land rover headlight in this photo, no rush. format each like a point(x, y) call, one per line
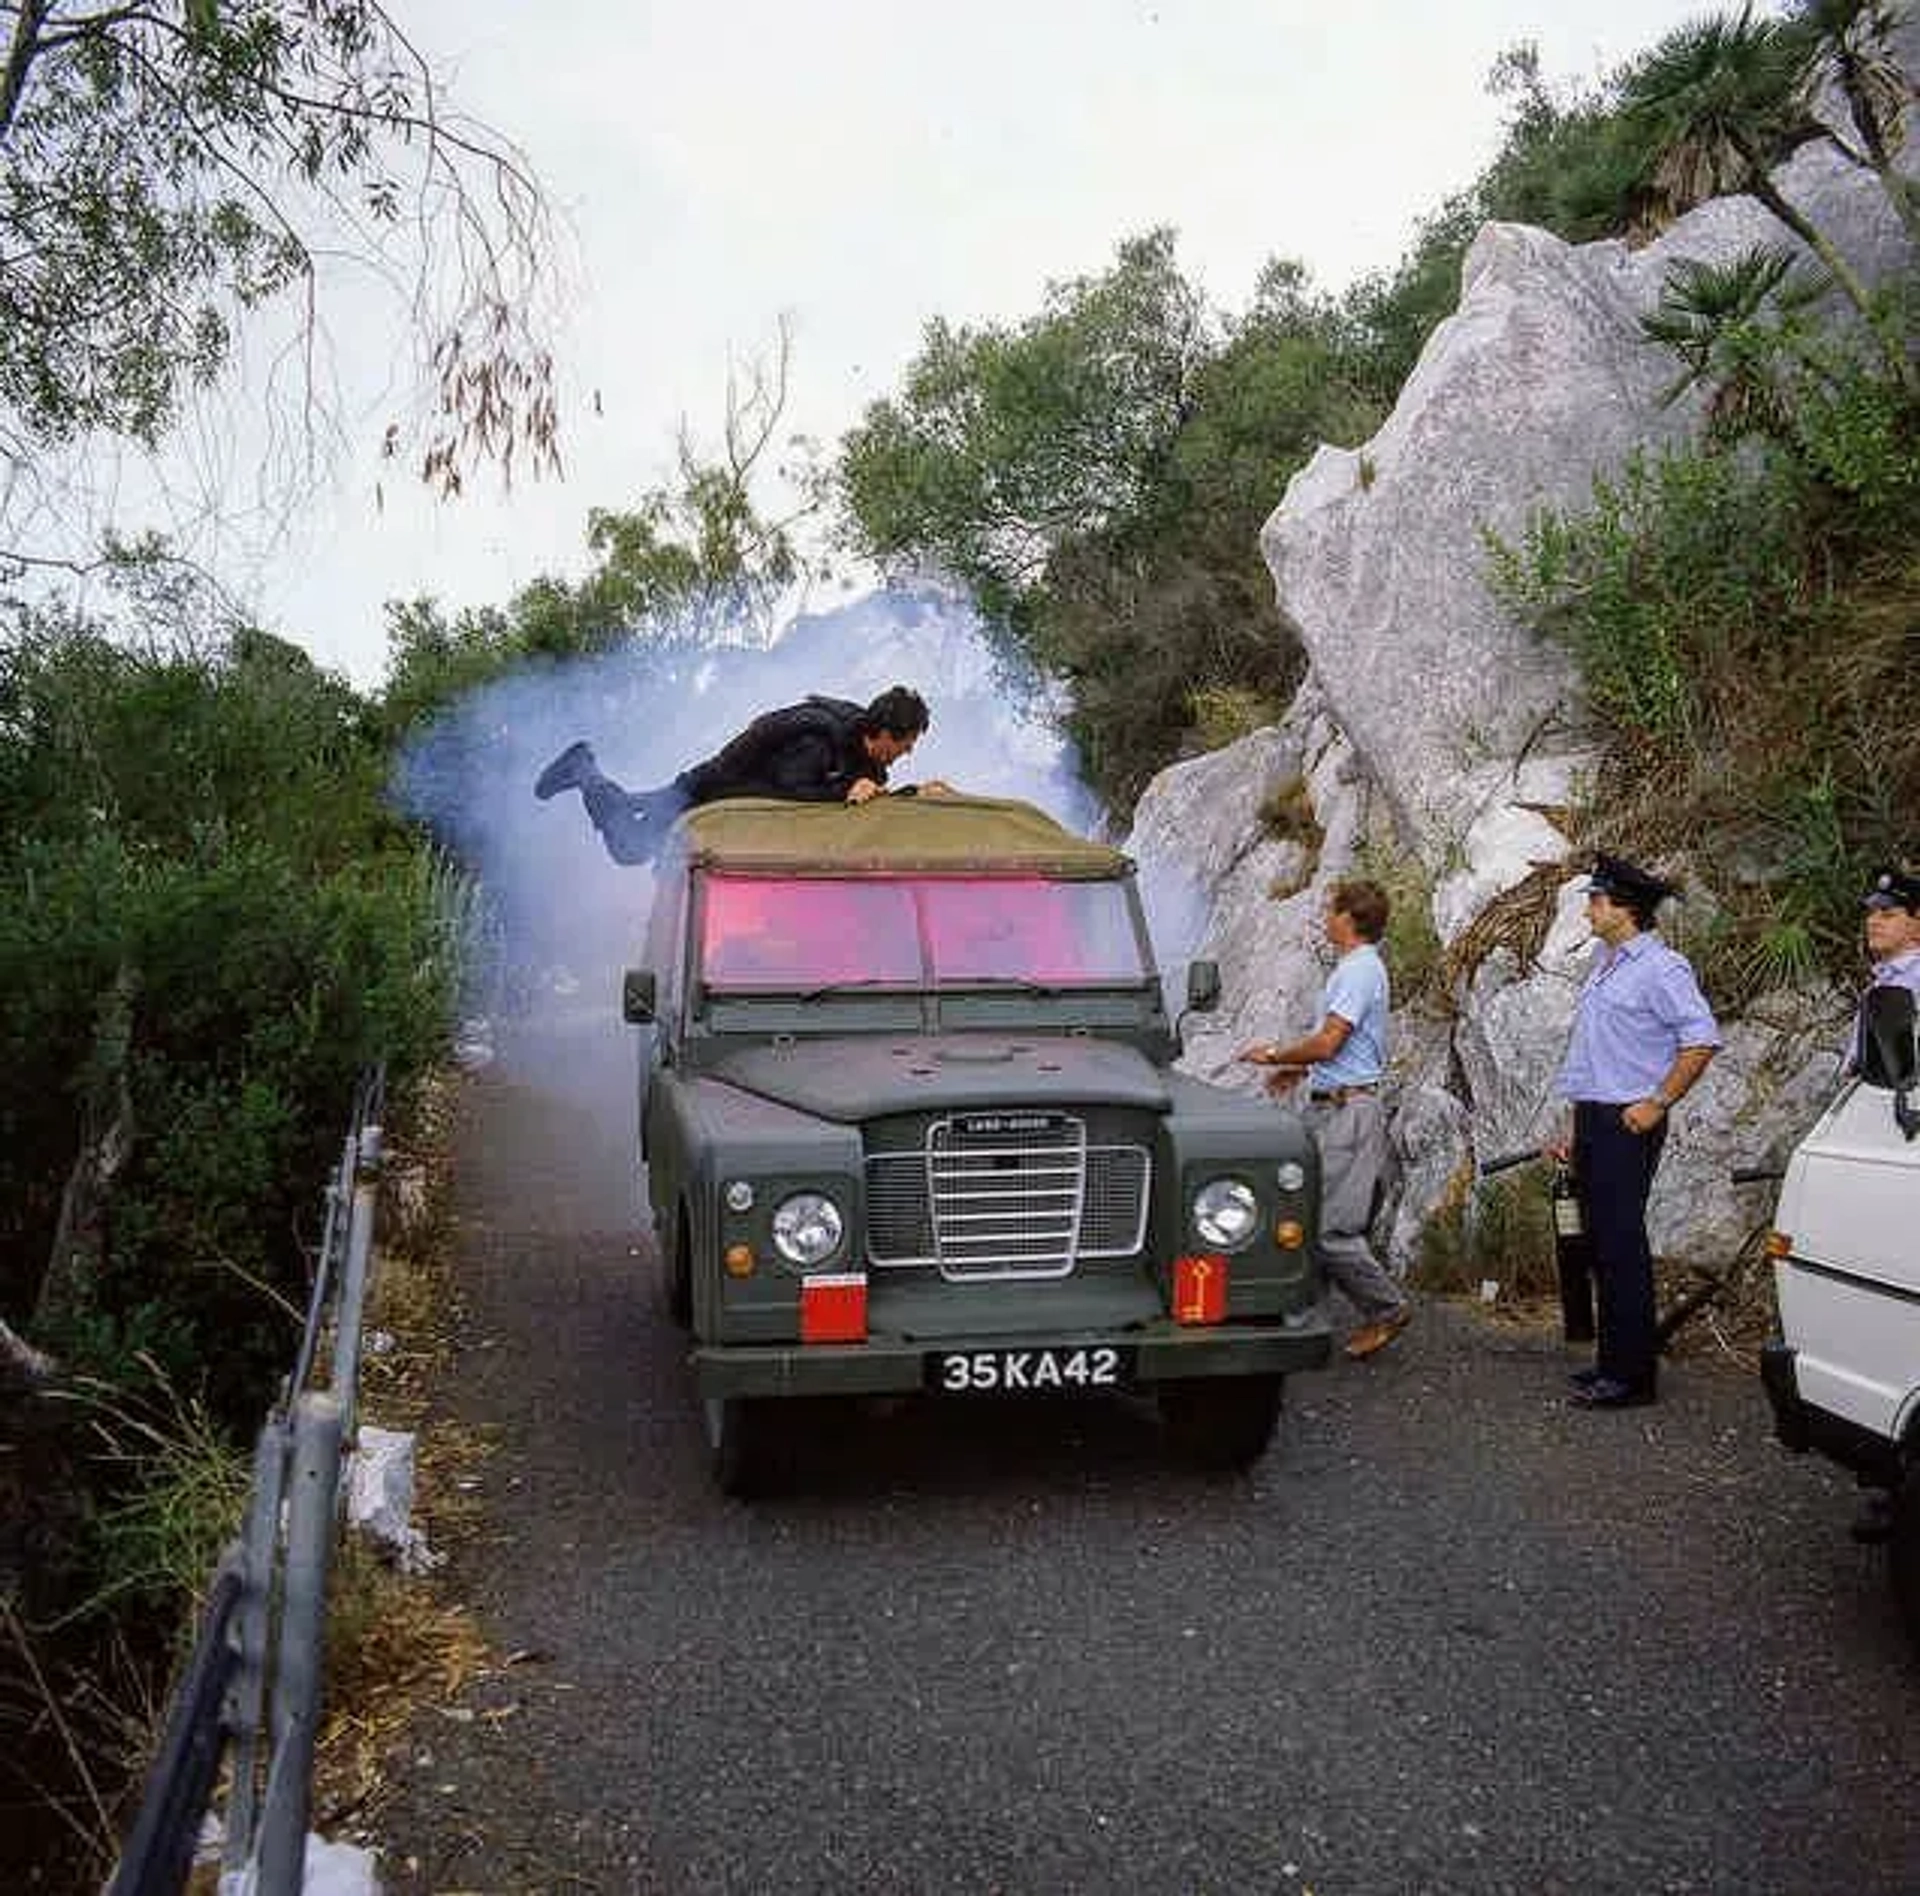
point(1290, 1175)
point(1224, 1213)
point(807, 1228)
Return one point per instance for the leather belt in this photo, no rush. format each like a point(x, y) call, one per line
point(1339, 1095)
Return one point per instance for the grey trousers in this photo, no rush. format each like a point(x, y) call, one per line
point(1352, 1137)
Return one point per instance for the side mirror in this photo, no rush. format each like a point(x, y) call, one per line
point(1887, 1058)
point(1203, 986)
point(637, 996)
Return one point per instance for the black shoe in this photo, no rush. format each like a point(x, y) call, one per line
point(1873, 1525)
point(1585, 1378)
point(566, 772)
point(1609, 1392)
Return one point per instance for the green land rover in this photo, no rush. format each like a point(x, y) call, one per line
point(910, 1123)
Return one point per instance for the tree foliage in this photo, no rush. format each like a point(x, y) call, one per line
point(1007, 443)
point(697, 562)
point(1098, 475)
point(165, 170)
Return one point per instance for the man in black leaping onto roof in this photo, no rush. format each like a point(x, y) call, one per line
point(822, 750)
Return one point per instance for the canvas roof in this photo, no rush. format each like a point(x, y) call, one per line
point(951, 835)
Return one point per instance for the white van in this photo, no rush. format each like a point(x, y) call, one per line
point(1844, 1374)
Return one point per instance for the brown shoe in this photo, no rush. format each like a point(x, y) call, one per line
point(1375, 1336)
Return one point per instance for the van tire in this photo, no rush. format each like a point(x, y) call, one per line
point(1220, 1422)
point(749, 1445)
point(677, 1275)
point(1903, 1550)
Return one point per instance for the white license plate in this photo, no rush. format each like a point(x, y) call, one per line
point(999, 1372)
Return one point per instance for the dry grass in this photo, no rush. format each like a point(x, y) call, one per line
point(395, 1646)
point(397, 1643)
point(1517, 920)
point(1286, 814)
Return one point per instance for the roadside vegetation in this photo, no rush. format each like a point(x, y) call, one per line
point(1746, 613)
point(211, 919)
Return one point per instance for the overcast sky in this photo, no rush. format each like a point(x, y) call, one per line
point(859, 168)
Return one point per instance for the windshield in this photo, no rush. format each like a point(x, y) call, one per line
point(819, 931)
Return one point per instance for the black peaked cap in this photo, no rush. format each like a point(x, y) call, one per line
point(1616, 876)
point(1894, 888)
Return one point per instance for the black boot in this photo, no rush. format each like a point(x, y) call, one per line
point(567, 771)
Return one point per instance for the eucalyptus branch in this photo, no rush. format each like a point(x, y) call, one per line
point(27, 46)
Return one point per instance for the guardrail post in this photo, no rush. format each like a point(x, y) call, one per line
point(319, 1427)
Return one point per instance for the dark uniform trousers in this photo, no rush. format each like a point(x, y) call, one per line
point(1615, 1168)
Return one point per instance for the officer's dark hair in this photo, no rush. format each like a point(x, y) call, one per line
point(898, 711)
point(1364, 904)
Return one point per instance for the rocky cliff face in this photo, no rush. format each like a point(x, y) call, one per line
point(1429, 722)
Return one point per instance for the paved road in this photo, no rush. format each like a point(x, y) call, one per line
point(1449, 1636)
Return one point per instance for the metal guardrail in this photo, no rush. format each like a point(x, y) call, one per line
point(251, 1686)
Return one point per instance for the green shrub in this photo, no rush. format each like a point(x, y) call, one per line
point(1219, 715)
point(178, 1489)
point(1672, 592)
point(209, 928)
point(1500, 1231)
point(1415, 958)
point(1743, 624)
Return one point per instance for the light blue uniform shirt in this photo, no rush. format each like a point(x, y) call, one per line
point(1357, 992)
point(1640, 1006)
point(1901, 970)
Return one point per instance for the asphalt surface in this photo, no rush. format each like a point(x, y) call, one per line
point(1450, 1635)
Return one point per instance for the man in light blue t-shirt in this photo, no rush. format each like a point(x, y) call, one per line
point(1344, 1060)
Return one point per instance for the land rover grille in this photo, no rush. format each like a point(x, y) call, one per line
point(999, 1195)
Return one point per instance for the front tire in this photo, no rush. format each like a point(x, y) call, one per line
point(677, 1274)
point(749, 1445)
point(1221, 1422)
point(1903, 1550)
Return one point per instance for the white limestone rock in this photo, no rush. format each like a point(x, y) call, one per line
point(1538, 383)
point(1217, 883)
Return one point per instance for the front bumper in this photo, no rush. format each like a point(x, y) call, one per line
point(1801, 1426)
point(882, 1366)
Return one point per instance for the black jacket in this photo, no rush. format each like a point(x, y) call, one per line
point(807, 753)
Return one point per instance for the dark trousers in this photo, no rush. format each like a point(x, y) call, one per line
point(1615, 1168)
point(632, 823)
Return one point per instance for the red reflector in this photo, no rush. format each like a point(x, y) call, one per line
point(1200, 1288)
point(834, 1309)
